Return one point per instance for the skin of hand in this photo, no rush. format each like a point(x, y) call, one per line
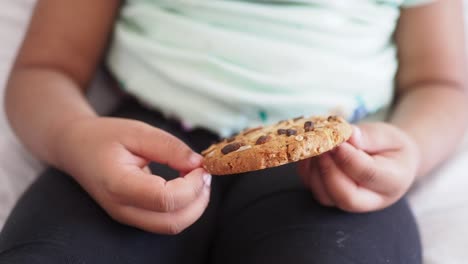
point(47, 108)
point(381, 160)
point(370, 171)
point(109, 158)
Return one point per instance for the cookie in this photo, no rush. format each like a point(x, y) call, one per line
point(270, 146)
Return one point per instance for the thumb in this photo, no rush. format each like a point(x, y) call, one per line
point(157, 145)
point(374, 138)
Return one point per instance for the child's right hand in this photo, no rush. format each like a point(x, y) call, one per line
point(109, 157)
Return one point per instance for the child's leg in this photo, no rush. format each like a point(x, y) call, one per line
point(57, 222)
point(268, 217)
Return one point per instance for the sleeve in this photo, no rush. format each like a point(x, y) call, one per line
point(411, 3)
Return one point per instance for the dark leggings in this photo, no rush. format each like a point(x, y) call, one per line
point(259, 217)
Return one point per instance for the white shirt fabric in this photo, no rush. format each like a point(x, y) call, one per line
point(225, 65)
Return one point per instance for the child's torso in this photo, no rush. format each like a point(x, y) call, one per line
point(225, 65)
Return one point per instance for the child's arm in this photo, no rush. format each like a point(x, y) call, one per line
point(54, 66)
point(107, 156)
point(432, 95)
point(381, 160)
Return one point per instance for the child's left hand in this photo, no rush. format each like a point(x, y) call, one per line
point(371, 171)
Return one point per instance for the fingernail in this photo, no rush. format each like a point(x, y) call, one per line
point(195, 159)
point(357, 134)
point(357, 131)
point(207, 180)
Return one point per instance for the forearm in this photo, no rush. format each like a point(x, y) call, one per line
point(434, 116)
point(40, 102)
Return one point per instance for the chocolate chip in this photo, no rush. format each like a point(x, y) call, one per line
point(262, 140)
point(332, 118)
point(297, 118)
point(308, 126)
point(231, 147)
point(248, 131)
point(282, 131)
point(291, 132)
point(287, 132)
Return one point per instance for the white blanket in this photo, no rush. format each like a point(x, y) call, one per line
point(440, 202)
point(17, 167)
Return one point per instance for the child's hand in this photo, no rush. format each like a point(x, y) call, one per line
point(369, 172)
point(109, 157)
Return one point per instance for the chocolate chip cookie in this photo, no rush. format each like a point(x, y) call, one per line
point(270, 146)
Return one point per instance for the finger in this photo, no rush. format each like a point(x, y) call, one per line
point(311, 179)
point(164, 223)
point(303, 169)
point(157, 145)
point(362, 169)
point(151, 192)
point(182, 173)
point(374, 138)
point(356, 137)
point(343, 191)
point(146, 169)
point(318, 187)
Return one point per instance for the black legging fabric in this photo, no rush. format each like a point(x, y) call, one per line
point(259, 217)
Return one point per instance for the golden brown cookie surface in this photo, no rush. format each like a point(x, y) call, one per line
point(270, 146)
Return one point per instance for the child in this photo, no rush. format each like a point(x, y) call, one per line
point(206, 69)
